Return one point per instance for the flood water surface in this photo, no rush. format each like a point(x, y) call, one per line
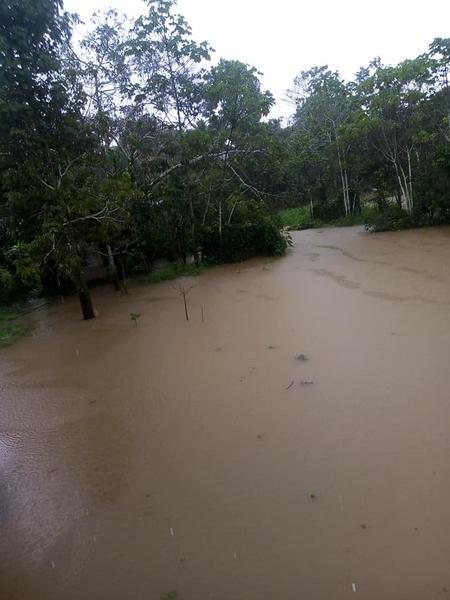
point(295, 443)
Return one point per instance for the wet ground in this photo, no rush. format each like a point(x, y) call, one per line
point(293, 444)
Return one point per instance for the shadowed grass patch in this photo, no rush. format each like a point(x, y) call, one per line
point(11, 326)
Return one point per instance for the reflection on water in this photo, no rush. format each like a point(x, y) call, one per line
point(181, 455)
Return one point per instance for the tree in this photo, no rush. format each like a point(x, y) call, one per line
point(323, 107)
point(33, 94)
point(392, 100)
point(167, 60)
point(440, 52)
point(234, 107)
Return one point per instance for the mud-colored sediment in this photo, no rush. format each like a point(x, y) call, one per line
point(207, 458)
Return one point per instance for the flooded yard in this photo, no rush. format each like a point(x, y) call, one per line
point(293, 443)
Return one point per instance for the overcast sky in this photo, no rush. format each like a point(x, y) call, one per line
point(283, 37)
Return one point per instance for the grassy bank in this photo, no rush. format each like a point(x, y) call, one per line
point(173, 271)
point(297, 218)
point(12, 326)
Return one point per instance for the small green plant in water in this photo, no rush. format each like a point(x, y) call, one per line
point(170, 596)
point(312, 494)
point(134, 317)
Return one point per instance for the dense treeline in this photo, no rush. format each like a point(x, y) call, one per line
point(130, 144)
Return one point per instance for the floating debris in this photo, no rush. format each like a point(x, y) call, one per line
point(306, 382)
point(171, 532)
point(302, 357)
point(354, 587)
point(290, 385)
point(52, 562)
point(270, 347)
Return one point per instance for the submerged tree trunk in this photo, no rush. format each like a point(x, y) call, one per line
point(87, 308)
point(124, 277)
point(84, 296)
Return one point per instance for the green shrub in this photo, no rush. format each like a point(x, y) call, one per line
point(8, 286)
point(392, 218)
point(243, 240)
point(329, 211)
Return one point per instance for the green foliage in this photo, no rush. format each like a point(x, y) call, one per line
point(11, 326)
point(329, 211)
point(8, 286)
point(164, 38)
point(234, 100)
point(357, 218)
point(239, 241)
point(392, 218)
point(300, 218)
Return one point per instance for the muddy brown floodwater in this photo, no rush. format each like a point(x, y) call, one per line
point(295, 444)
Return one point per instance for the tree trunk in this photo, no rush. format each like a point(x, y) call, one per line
point(347, 192)
point(113, 270)
point(115, 280)
point(124, 278)
point(344, 183)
